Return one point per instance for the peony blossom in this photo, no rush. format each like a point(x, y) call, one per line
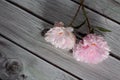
point(92, 49)
point(61, 37)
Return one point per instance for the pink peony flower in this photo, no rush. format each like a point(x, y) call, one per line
point(60, 36)
point(92, 49)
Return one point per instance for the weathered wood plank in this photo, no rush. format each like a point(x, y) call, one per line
point(33, 67)
point(109, 8)
point(63, 10)
point(22, 28)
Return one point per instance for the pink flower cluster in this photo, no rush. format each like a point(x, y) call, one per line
point(91, 49)
point(60, 36)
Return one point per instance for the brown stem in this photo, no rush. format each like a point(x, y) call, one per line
point(81, 2)
point(87, 20)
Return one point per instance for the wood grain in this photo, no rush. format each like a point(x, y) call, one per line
point(64, 10)
point(33, 67)
point(109, 8)
point(24, 29)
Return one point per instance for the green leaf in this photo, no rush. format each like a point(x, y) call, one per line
point(102, 29)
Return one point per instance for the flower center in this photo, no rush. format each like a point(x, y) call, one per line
point(93, 44)
point(60, 33)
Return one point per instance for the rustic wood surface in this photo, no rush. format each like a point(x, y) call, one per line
point(64, 10)
point(21, 24)
point(33, 67)
point(23, 29)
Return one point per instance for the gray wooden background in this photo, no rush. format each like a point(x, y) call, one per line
point(21, 23)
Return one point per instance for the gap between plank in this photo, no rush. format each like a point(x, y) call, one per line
point(40, 57)
point(115, 56)
point(97, 12)
point(32, 13)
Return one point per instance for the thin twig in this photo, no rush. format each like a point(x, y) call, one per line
point(81, 2)
point(79, 26)
point(87, 20)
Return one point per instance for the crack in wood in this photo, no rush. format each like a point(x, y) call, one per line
point(115, 2)
point(30, 12)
